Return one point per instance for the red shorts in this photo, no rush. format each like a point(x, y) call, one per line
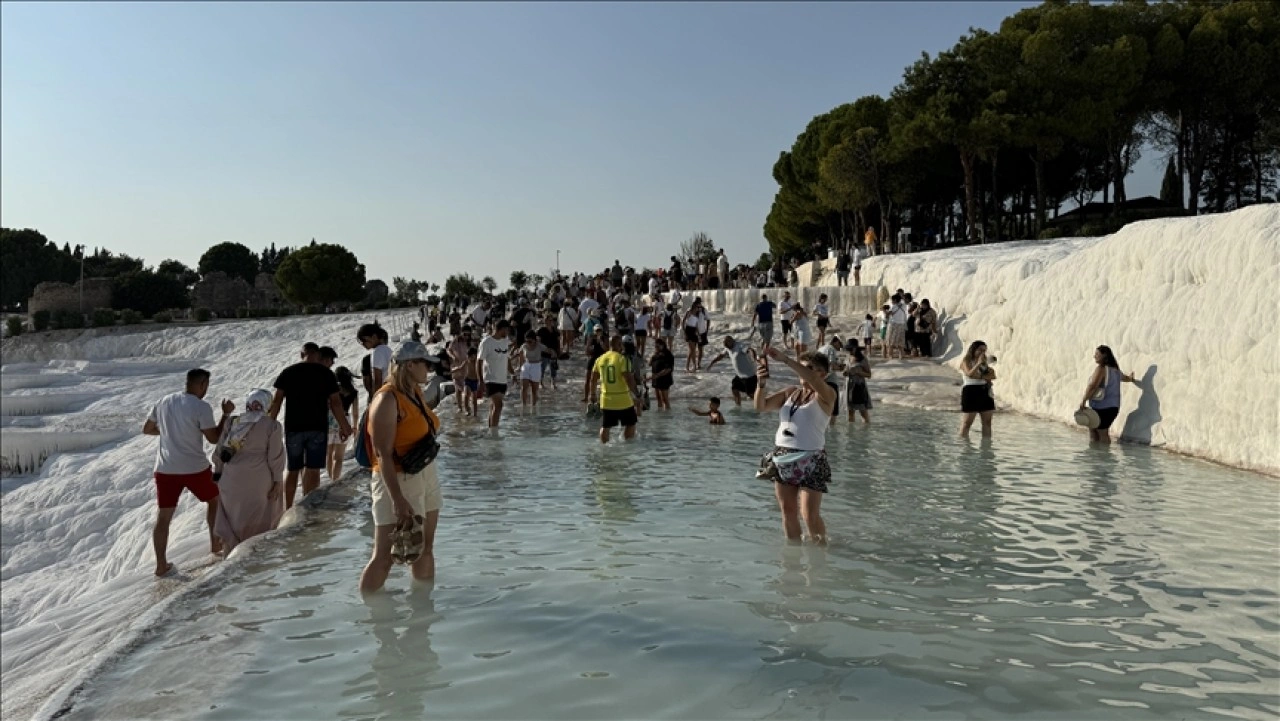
point(169, 486)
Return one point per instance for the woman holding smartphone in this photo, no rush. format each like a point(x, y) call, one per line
point(976, 398)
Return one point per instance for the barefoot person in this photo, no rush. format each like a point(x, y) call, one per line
point(309, 393)
point(712, 413)
point(184, 422)
point(351, 404)
point(662, 367)
point(619, 403)
point(798, 463)
point(249, 463)
point(495, 367)
point(1102, 393)
point(406, 498)
point(857, 397)
point(976, 398)
point(744, 368)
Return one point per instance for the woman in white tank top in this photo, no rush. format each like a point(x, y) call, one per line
point(798, 463)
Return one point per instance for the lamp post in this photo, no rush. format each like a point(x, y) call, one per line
point(80, 255)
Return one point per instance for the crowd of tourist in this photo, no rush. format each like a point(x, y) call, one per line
point(478, 348)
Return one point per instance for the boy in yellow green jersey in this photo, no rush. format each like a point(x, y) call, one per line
point(618, 404)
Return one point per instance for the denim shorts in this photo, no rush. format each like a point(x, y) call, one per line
point(306, 449)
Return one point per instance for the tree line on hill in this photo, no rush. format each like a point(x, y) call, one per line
point(986, 139)
point(318, 275)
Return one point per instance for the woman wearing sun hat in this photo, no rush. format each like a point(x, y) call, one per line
point(406, 503)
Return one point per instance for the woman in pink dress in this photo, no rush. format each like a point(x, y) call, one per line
point(248, 464)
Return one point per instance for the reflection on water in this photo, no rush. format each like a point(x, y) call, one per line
point(399, 679)
point(1024, 575)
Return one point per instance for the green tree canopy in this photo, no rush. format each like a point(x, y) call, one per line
point(234, 259)
point(27, 259)
point(462, 284)
point(149, 292)
point(321, 274)
point(178, 270)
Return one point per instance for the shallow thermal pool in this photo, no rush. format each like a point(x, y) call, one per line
point(1030, 576)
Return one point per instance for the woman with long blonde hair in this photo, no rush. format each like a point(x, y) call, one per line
point(406, 494)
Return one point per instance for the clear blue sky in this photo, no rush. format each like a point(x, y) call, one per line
point(433, 138)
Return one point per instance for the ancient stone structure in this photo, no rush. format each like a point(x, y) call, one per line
point(54, 296)
point(267, 293)
point(222, 294)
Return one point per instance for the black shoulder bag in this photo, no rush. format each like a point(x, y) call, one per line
point(425, 450)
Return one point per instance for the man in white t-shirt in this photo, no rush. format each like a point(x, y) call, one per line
point(784, 314)
point(722, 268)
point(373, 338)
point(897, 334)
point(184, 422)
point(495, 368)
point(655, 286)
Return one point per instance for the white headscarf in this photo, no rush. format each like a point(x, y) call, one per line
point(255, 409)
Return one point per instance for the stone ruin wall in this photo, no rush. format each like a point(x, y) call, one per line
point(55, 296)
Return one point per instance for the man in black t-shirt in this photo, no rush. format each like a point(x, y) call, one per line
point(550, 340)
point(311, 392)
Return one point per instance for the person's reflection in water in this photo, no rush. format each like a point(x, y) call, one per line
point(403, 667)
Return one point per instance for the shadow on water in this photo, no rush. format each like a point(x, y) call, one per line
point(1139, 424)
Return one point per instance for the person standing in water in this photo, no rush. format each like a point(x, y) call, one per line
point(495, 368)
point(530, 355)
point(618, 402)
point(406, 503)
point(798, 463)
point(976, 398)
point(351, 404)
point(184, 421)
point(857, 397)
point(662, 367)
point(1102, 393)
point(744, 361)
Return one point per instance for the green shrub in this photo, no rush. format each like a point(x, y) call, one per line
point(162, 317)
point(242, 312)
point(358, 307)
point(312, 310)
point(129, 316)
point(381, 305)
point(103, 317)
point(203, 315)
point(40, 320)
point(64, 319)
point(14, 325)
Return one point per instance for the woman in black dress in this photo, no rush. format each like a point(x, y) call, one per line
point(662, 368)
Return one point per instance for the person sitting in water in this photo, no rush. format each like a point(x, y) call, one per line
point(712, 412)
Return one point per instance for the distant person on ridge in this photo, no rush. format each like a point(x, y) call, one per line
point(184, 421)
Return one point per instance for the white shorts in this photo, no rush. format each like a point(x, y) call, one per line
point(422, 490)
point(531, 372)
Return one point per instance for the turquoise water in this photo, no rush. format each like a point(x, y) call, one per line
point(1029, 576)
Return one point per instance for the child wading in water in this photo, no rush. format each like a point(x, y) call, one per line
point(712, 412)
point(469, 371)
